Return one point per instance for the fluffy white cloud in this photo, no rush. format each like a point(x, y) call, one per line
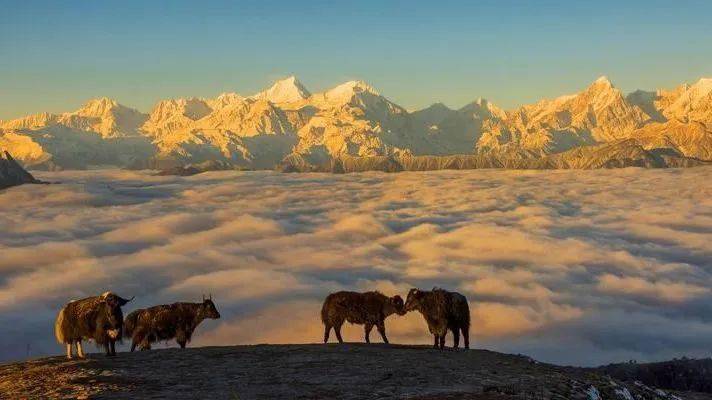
point(579, 267)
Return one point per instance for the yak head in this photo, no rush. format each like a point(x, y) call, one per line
point(208, 309)
point(396, 303)
point(113, 317)
point(413, 301)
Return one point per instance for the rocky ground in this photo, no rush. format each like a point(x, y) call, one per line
point(353, 371)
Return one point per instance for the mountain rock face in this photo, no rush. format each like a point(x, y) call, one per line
point(287, 125)
point(12, 173)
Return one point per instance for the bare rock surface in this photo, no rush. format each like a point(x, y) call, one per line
point(351, 371)
point(12, 173)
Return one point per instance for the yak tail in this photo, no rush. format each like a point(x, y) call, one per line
point(466, 316)
point(323, 312)
point(58, 329)
point(130, 322)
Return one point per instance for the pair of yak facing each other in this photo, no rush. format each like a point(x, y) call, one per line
point(100, 318)
point(441, 309)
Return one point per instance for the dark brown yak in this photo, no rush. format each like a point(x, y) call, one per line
point(169, 321)
point(442, 310)
point(368, 309)
point(97, 318)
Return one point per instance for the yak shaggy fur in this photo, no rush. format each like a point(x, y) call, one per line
point(443, 311)
point(368, 309)
point(166, 322)
point(97, 318)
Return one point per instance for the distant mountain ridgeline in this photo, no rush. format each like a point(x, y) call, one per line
point(620, 154)
point(352, 128)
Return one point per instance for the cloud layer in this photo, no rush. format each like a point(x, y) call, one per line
point(579, 267)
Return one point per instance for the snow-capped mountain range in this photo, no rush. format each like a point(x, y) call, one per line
point(355, 120)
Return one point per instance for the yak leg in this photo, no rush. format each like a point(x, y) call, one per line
point(80, 351)
point(134, 342)
point(337, 330)
point(135, 338)
point(141, 338)
point(145, 343)
point(382, 330)
point(437, 341)
point(466, 336)
point(327, 330)
point(138, 338)
point(442, 341)
point(367, 330)
point(112, 346)
point(69, 351)
point(181, 338)
point(456, 338)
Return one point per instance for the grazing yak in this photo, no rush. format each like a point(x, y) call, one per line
point(166, 322)
point(368, 309)
point(442, 310)
point(97, 318)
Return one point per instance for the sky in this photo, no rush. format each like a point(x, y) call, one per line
point(56, 55)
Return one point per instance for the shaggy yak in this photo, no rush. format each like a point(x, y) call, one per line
point(442, 310)
point(368, 309)
point(169, 321)
point(97, 318)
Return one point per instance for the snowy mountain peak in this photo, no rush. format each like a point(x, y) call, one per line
point(358, 86)
point(193, 108)
point(344, 92)
point(483, 108)
point(603, 80)
point(284, 91)
point(602, 84)
point(97, 107)
point(225, 99)
point(703, 86)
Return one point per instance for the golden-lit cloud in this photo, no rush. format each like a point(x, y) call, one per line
point(563, 265)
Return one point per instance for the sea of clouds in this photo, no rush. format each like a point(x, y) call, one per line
point(575, 267)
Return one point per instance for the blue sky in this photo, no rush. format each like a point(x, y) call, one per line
point(53, 56)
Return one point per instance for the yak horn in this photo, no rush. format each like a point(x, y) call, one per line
point(123, 301)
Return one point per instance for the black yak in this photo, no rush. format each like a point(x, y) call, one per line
point(442, 310)
point(369, 309)
point(166, 322)
point(97, 318)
